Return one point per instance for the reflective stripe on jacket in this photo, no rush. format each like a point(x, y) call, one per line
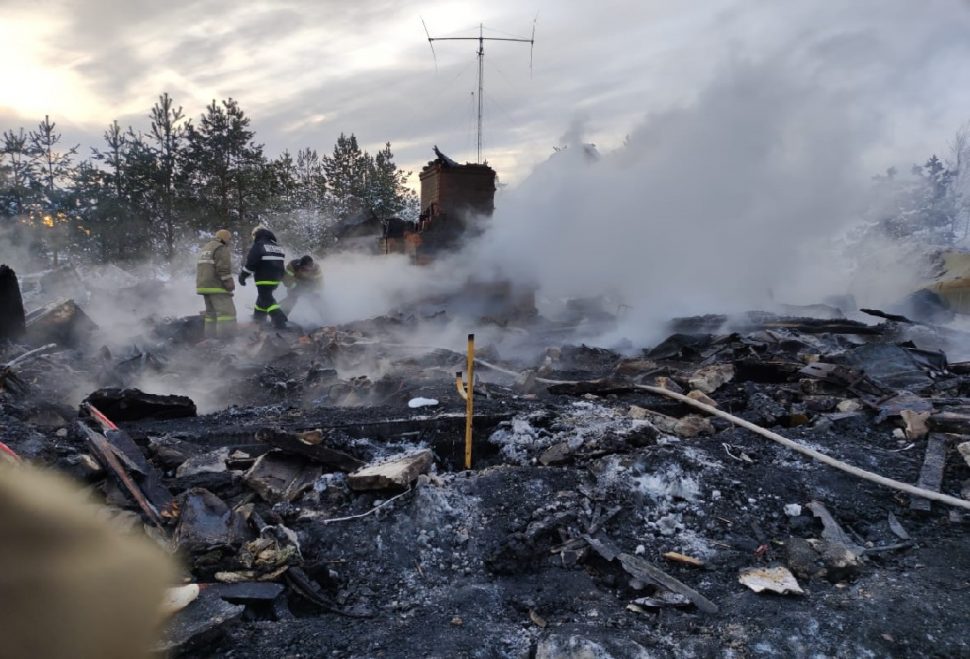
point(266, 260)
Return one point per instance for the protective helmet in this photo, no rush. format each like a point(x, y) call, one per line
point(223, 235)
point(258, 227)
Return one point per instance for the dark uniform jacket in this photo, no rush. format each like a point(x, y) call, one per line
point(214, 270)
point(266, 261)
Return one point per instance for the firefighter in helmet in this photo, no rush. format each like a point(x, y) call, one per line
point(213, 281)
point(302, 277)
point(266, 265)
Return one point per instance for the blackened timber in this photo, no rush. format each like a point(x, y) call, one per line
point(828, 327)
point(597, 387)
point(648, 573)
point(64, 323)
point(245, 592)
point(292, 443)
point(105, 455)
point(951, 422)
point(124, 448)
point(13, 323)
point(931, 474)
point(134, 404)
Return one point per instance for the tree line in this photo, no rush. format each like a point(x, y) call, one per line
point(141, 194)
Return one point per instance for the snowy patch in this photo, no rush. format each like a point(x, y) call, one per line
point(581, 424)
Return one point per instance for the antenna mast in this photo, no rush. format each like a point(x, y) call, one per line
point(481, 39)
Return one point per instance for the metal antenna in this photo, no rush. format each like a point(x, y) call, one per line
point(532, 43)
point(481, 39)
point(432, 45)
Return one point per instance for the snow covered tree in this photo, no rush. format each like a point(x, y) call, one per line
point(311, 181)
point(919, 209)
point(386, 192)
point(346, 174)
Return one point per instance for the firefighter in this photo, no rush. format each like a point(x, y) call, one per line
point(266, 264)
point(213, 281)
point(302, 276)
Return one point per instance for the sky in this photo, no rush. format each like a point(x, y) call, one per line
point(307, 70)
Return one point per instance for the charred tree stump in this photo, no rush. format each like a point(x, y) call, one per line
point(13, 322)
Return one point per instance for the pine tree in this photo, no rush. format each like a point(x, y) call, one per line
point(169, 130)
point(53, 168)
point(387, 194)
point(16, 155)
point(225, 168)
point(346, 174)
point(311, 181)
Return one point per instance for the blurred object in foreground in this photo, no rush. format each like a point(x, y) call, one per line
point(72, 585)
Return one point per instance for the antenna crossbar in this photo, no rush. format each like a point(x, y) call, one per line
point(481, 39)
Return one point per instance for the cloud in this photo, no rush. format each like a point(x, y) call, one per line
point(367, 67)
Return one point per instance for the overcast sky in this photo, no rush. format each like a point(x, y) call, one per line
point(307, 70)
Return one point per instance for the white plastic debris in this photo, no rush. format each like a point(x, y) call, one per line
point(415, 403)
point(793, 510)
point(179, 597)
point(775, 579)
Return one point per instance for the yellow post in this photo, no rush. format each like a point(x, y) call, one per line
point(469, 401)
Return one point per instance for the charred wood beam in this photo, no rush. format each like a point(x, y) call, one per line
point(950, 422)
point(648, 573)
point(134, 404)
point(124, 448)
point(105, 455)
point(300, 444)
point(598, 387)
point(931, 473)
point(61, 322)
point(828, 327)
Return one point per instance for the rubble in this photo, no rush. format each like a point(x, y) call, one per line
point(309, 446)
point(318, 511)
point(394, 473)
point(134, 404)
point(278, 476)
point(776, 579)
point(199, 623)
point(64, 323)
point(931, 474)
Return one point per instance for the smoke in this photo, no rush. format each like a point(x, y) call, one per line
point(718, 207)
point(742, 198)
point(741, 194)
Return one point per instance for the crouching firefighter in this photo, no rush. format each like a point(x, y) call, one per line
point(213, 281)
point(266, 264)
point(302, 277)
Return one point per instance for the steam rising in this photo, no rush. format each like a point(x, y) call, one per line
point(741, 197)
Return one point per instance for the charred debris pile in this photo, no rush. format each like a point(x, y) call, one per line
point(327, 509)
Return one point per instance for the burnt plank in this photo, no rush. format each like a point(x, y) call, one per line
point(931, 474)
point(292, 442)
point(648, 573)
